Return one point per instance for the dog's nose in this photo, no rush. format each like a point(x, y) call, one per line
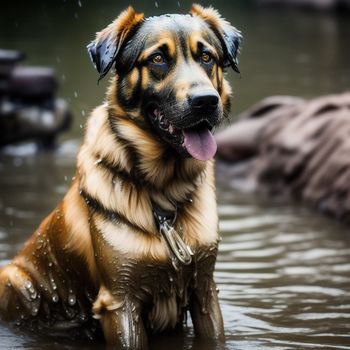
point(204, 102)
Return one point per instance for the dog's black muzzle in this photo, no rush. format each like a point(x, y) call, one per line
point(203, 111)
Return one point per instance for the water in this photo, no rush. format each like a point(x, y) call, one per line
point(283, 270)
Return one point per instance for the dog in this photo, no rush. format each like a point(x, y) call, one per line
point(132, 246)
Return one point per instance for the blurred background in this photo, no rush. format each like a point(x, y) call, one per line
point(285, 50)
point(283, 270)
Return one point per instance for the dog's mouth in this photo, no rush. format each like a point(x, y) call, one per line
point(195, 140)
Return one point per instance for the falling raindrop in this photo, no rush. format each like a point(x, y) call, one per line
point(178, 4)
point(55, 298)
point(75, 94)
point(79, 3)
point(83, 113)
point(156, 4)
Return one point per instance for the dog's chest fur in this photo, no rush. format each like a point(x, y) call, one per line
point(164, 290)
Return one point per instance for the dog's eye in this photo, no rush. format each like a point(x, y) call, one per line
point(158, 65)
point(206, 57)
point(158, 59)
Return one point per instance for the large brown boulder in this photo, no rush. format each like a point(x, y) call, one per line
point(295, 147)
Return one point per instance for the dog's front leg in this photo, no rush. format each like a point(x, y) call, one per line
point(206, 314)
point(121, 321)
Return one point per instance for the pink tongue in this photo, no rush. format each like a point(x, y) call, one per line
point(200, 144)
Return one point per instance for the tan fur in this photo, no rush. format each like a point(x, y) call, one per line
point(210, 15)
point(167, 41)
point(126, 241)
point(77, 220)
point(121, 27)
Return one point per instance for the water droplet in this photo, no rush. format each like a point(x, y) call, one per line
point(71, 299)
point(28, 285)
point(156, 4)
point(53, 284)
point(35, 311)
point(75, 94)
point(204, 309)
point(55, 298)
point(79, 3)
point(39, 244)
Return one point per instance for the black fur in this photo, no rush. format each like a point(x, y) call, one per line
point(104, 53)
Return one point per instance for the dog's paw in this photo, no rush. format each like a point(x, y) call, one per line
point(19, 297)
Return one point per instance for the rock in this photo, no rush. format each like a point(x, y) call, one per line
point(296, 148)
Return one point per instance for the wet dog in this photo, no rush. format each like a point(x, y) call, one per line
point(132, 246)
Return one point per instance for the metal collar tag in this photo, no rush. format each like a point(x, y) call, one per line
point(177, 246)
point(179, 250)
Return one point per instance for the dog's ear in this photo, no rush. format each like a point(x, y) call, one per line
point(228, 35)
point(105, 48)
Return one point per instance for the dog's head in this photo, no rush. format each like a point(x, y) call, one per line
point(169, 69)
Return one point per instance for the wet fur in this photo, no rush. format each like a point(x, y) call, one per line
point(97, 259)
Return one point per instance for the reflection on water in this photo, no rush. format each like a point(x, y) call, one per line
point(283, 271)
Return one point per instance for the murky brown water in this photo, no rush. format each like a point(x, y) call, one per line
point(283, 270)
